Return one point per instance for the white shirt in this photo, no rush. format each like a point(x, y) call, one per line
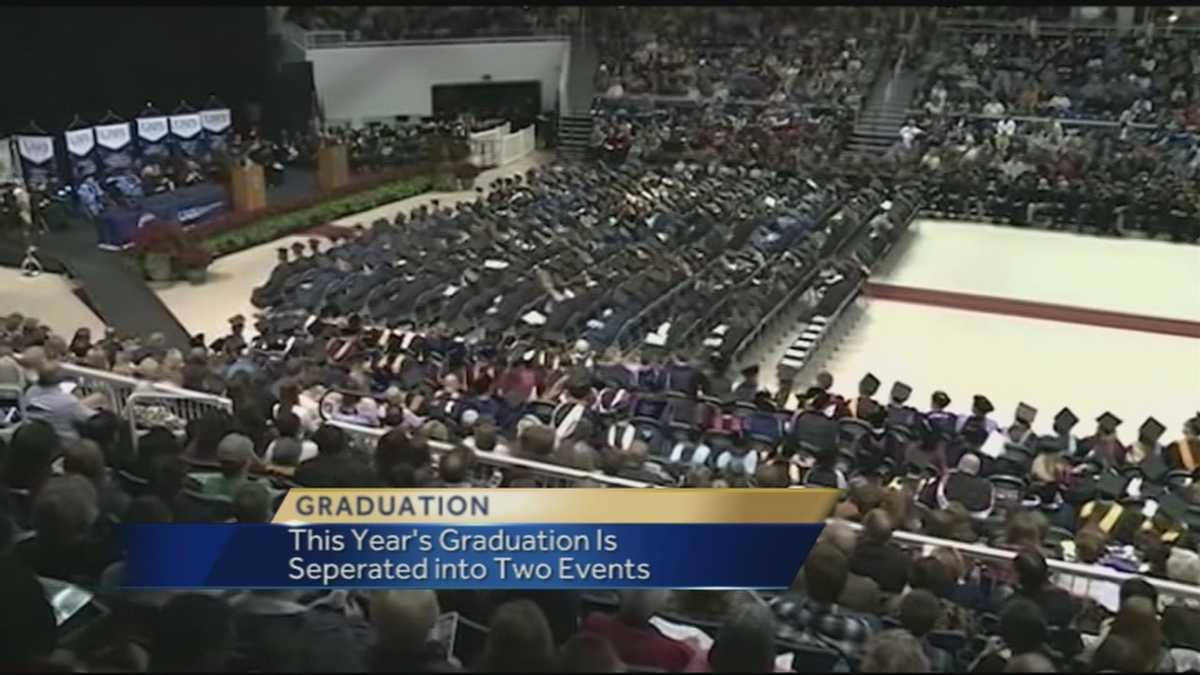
point(1006, 127)
point(308, 450)
point(1061, 102)
point(909, 133)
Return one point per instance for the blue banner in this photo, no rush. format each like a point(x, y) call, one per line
point(152, 139)
point(37, 160)
point(543, 556)
point(187, 136)
point(217, 125)
point(81, 153)
point(115, 148)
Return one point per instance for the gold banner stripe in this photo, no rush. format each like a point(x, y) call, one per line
point(561, 505)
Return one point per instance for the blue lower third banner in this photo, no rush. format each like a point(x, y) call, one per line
point(536, 556)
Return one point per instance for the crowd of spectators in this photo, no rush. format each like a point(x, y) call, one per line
point(1130, 79)
point(1103, 178)
point(586, 317)
point(785, 56)
point(380, 23)
point(747, 135)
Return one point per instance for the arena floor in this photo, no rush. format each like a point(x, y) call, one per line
point(50, 298)
point(914, 324)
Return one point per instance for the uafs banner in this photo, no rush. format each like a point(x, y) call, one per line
point(494, 538)
point(37, 159)
point(114, 146)
point(81, 146)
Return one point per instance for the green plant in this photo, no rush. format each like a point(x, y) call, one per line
point(339, 206)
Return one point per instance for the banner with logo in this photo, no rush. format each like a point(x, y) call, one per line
point(216, 125)
point(114, 147)
point(152, 138)
point(81, 153)
point(186, 135)
point(37, 160)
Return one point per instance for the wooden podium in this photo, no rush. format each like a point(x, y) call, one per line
point(333, 168)
point(248, 187)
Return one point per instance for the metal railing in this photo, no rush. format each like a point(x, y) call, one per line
point(489, 463)
point(332, 39)
point(989, 554)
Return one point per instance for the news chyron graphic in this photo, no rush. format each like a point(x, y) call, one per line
point(494, 538)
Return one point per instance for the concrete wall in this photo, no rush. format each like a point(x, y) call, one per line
point(355, 83)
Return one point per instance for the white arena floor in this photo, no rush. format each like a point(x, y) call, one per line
point(1045, 363)
point(48, 297)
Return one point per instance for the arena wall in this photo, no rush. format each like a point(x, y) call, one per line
point(356, 83)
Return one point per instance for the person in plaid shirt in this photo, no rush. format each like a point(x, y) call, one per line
point(817, 615)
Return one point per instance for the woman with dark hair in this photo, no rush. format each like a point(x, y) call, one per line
point(399, 447)
point(1033, 583)
point(32, 450)
point(1117, 655)
point(250, 419)
point(519, 641)
point(81, 343)
point(205, 433)
point(1137, 621)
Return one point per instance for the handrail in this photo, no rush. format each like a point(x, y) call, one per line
point(978, 551)
point(1042, 119)
point(1053, 28)
point(509, 461)
point(314, 41)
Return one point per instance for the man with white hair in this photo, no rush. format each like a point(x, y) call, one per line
point(1181, 619)
point(48, 400)
point(403, 622)
point(68, 545)
point(964, 485)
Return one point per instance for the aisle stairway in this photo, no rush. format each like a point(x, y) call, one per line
point(575, 118)
point(118, 294)
point(574, 136)
point(878, 126)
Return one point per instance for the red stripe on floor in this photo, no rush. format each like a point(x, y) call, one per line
point(1034, 310)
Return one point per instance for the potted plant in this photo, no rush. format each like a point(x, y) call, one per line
point(466, 173)
point(157, 242)
point(194, 261)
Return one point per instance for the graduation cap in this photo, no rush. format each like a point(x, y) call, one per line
point(1108, 422)
point(750, 372)
point(1026, 414)
point(901, 392)
point(868, 385)
point(1150, 431)
point(1112, 485)
point(1046, 444)
point(1065, 420)
point(981, 404)
point(940, 399)
point(1174, 507)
